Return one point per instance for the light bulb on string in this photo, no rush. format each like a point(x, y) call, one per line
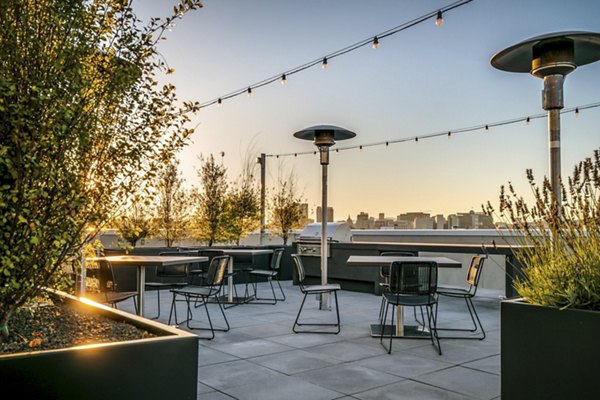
point(324, 64)
point(249, 91)
point(576, 111)
point(449, 134)
point(219, 102)
point(417, 139)
point(439, 20)
point(283, 79)
point(375, 42)
point(487, 128)
point(527, 121)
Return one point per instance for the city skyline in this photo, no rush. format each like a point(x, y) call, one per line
point(424, 80)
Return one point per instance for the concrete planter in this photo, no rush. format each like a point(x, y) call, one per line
point(547, 353)
point(157, 368)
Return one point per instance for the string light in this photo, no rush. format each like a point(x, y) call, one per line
point(449, 133)
point(439, 20)
point(375, 43)
point(219, 102)
point(527, 121)
point(576, 111)
point(487, 128)
point(372, 40)
point(249, 92)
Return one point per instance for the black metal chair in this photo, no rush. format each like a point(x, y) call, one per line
point(473, 277)
point(109, 288)
point(384, 273)
point(412, 284)
point(198, 275)
point(202, 294)
point(314, 289)
point(269, 274)
point(166, 274)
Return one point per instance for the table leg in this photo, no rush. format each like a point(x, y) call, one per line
point(400, 323)
point(230, 281)
point(141, 281)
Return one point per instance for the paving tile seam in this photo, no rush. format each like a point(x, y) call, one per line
point(477, 369)
point(442, 388)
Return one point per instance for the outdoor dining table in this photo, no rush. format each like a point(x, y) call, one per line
point(399, 330)
point(141, 262)
point(239, 252)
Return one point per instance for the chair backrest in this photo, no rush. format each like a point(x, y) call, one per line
point(276, 259)
point(173, 271)
point(106, 277)
point(300, 274)
point(474, 271)
point(216, 270)
point(413, 278)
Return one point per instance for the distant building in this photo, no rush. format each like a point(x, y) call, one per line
point(416, 220)
point(329, 214)
point(440, 222)
point(362, 221)
point(470, 220)
point(383, 222)
point(350, 222)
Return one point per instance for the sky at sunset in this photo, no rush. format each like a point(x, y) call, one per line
point(424, 80)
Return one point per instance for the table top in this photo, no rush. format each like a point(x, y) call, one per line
point(377, 261)
point(149, 260)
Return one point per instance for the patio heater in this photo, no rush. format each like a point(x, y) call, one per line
point(551, 57)
point(324, 136)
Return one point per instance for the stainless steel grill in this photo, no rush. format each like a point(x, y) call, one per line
point(309, 241)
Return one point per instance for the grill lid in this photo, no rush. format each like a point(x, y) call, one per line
point(336, 232)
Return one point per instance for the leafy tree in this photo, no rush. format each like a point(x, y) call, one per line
point(285, 210)
point(135, 224)
point(172, 205)
point(211, 202)
point(242, 207)
point(84, 123)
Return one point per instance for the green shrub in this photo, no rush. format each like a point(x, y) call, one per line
point(557, 245)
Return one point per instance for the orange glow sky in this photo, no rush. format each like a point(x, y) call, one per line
point(424, 80)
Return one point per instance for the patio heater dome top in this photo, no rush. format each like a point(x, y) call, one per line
point(549, 54)
point(324, 135)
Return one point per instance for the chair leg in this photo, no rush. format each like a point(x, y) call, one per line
point(203, 300)
point(474, 319)
point(337, 311)
point(158, 304)
point(431, 317)
point(383, 321)
point(267, 300)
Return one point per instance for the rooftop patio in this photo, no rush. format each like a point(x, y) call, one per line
point(260, 357)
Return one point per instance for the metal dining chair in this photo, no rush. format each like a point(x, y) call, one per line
point(269, 274)
point(384, 273)
point(167, 274)
point(201, 295)
point(314, 290)
point(467, 293)
point(109, 288)
point(412, 284)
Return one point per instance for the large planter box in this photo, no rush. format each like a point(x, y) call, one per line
point(165, 367)
point(547, 353)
